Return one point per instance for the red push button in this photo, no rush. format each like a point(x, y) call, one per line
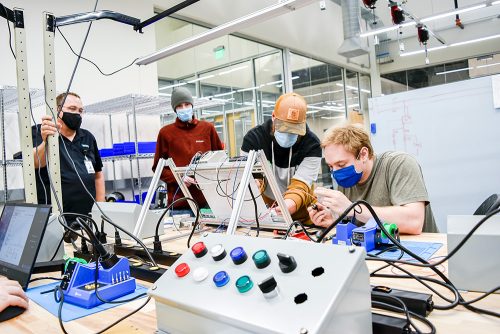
point(182, 270)
point(199, 249)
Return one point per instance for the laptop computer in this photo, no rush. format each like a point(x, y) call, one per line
point(22, 227)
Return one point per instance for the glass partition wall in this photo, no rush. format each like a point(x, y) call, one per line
point(243, 79)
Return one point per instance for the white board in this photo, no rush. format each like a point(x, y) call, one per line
point(454, 132)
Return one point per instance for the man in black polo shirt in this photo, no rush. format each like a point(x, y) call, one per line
point(82, 148)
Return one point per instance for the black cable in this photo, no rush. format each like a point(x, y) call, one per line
point(125, 316)
point(96, 274)
point(90, 61)
point(486, 294)
point(255, 209)
point(298, 222)
point(391, 307)
point(424, 263)
point(62, 221)
point(422, 280)
point(10, 32)
point(44, 278)
point(157, 235)
point(136, 239)
point(78, 59)
point(61, 302)
point(51, 183)
point(388, 249)
point(57, 249)
point(399, 301)
point(95, 243)
point(39, 169)
point(336, 221)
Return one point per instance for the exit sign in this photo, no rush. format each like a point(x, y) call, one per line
point(219, 52)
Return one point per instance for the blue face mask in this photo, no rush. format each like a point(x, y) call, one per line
point(185, 115)
point(285, 140)
point(346, 177)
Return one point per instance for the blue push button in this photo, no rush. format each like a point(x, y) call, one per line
point(238, 255)
point(221, 279)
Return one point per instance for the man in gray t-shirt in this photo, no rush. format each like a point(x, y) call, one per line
point(392, 183)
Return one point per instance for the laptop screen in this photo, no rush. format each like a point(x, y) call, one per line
point(21, 231)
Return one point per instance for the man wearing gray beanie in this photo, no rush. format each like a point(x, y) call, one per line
point(180, 141)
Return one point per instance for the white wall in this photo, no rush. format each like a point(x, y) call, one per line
point(110, 44)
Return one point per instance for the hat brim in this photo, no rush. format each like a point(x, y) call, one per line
point(295, 128)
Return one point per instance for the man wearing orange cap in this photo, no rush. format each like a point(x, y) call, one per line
point(293, 151)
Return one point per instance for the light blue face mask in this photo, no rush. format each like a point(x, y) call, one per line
point(284, 139)
point(185, 115)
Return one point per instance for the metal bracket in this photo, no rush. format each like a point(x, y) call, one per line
point(149, 196)
point(18, 18)
point(175, 171)
point(50, 98)
point(24, 107)
point(165, 13)
point(7, 13)
point(274, 186)
point(240, 196)
point(94, 16)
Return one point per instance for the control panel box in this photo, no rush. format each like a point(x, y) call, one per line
point(476, 266)
point(241, 284)
point(126, 216)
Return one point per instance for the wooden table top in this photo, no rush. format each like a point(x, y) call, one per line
point(458, 320)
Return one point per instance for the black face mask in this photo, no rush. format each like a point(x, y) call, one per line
point(72, 121)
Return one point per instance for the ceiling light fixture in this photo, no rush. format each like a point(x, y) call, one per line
point(476, 40)
point(352, 87)
point(412, 53)
point(454, 71)
point(243, 22)
point(201, 78)
point(387, 29)
point(488, 65)
point(452, 13)
point(173, 86)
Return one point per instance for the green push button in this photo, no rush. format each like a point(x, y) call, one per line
point(244, 284)
point(261, 259)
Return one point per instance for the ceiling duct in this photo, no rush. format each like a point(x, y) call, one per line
point(351, 17)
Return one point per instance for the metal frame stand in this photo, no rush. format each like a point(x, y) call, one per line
point(255, 160)
point(149, 196)
point(50, 22)
point(51, 108)
point(24, 106)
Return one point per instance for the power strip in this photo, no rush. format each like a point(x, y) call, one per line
point(164, 258)
point(146, 273)
point(419, 303)
point(386, 324)
point(140, 271)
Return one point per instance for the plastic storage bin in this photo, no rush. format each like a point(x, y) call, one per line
point(147, 147)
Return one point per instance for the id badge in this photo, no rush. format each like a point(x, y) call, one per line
point(90, 167)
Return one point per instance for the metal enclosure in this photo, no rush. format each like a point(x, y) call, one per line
point(335, 280)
